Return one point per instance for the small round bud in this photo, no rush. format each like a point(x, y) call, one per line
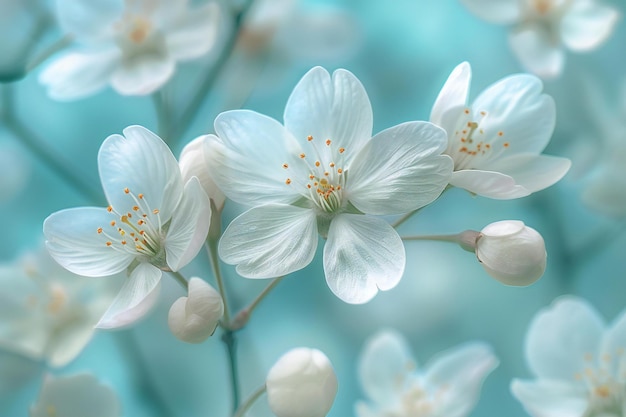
point(302, 383)
point(194, 318)
point(192, 163)
point(512, 252)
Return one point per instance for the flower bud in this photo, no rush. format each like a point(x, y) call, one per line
point(192, 163)
point(302, 383)
point(194, 318)
point(511, 252)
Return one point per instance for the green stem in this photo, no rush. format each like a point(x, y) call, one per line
point(180, 279)
point(241, 319)
point(466, 240)
point(441, 238)
point(228, 337)
point(190, 112)
point(241, 411)
point(403, 219)
point(162, 115)
point(60, 166)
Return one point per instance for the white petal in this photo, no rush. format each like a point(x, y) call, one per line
point(561, 336)
point(75, 396)
point(138, 295)
point(192, 163)
point(72, 239)
point(453, 94)
point(462, 371)
point(385, 362)
point(587, 24)
point(189, 227)
point(533, 172)
point(550, 398)
point(488, 184)
point(69, 341)
point(195, 34)
point(144, 164)
point(143, 74)
point(537, 52)
point(519, 117)
point(76, 75)
point(325, 108)
point(88, 19)
point(270, 241)
point(246, 161)
point(400, 169)
point(495, 11)
point(613, 343)
point(362, 255)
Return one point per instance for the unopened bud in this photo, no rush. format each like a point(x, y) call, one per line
point(302, 383)
point(194, 318)
point(193, 163)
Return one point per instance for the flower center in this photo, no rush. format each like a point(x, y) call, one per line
point(326, 178)
point(542, 7)
point(604, 378)
point(471, 144)
point(139, 232)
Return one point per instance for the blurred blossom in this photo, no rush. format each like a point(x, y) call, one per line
point(155, 222)
point(496, 142)
point(194, 318)
point(295, 178)
point(448, 386)
point(75, 396)
point(15, 171)
point(578, 362)
point(302, 383)
point(543, 29)
point(133, 45)
point(46, 312)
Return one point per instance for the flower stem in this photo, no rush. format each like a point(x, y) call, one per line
point(60, 166)
point(241, 319)
point(403, 219)
point(441, 238)
point(162, 114)
point(241, 411)
point(180, 279)
point(190, 112)
point(217, 273)
point(228, 337)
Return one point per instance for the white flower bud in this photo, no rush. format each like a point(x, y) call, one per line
point(512, 252)
point(302, 383)
point(193, 163)
point(194, 318)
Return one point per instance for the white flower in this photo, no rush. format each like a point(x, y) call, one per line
point(47, 312)
point(542, 29)
point(318, 174)
point(496, 142)
point(302, 383)
point(133, 45)
point(194, 318)
point(75, 396)
point(448, 386)
point(579, 363)
point(154, 222)
point(511, 252)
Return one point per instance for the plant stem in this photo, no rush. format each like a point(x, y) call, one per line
point(403, 219)
point(241, 319)
point(211, 246)
point(241, 411)
point(190, 112)
point(228, 337)
point(180, 279)
point(441, 238)
point(162, 115)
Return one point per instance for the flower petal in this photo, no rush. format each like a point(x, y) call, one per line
point(462, 370)
point(400, 169)
point(495, 11)
point(489, 184)
point(76, 75)
point(144, 164)
point(246, 161)
point(561, 336)
point(143, 74)
point(613, 343)
point(138, 295)
point(533, 172)
point(519, 117)
point(453, 94)
point(325, 108)
point(189, 227)
point(72, 239)
point(195, 34)
point(192, 162)
point(550, 398)
point(270, 241)
point(537, 52)
point(587, 24)
point(69, 341)
point(385, 362)
point(362, 255)
point(89, 20)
